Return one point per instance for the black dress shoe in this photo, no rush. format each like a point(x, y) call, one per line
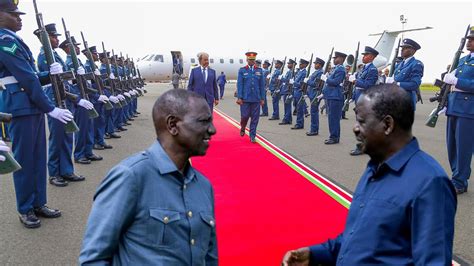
point(242, 132)
point(137, 113)
point(312, 133)
point(296, 127)
point(73, 177)
point(294, 112)
point(263, 114)
point(274, 118)
point(460, 190)
point(122, 129)
point(107, 146)
point(57, 181)
point(82, 160)
point(46, 212)
point(114, 136)
point(306, 115)
point(331, 141)
point(356, 152)
point(106, 136)
point(98, 147)
point(284, 123)
point(30, 220)
point(128, 123)
point(95, 157)
point(131, 119)
point(345, 118)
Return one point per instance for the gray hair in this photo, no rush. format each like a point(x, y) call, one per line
point(201, 54)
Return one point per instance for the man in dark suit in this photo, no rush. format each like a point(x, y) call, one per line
point(202, 81)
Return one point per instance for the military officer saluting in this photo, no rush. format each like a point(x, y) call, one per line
point(460, 114)
point(298, 93)
point(274, 90)
point(250, 94)
point(313, 82)
point(284, 90)
point(334, 97)
point(408, 73)
point(24, 98)
point(364, 80)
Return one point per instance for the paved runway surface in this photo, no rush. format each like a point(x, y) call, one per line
point(58, 241)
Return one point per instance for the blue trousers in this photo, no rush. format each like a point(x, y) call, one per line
point(118, 118)
point(300, 108)
point(276, 106)
point(29, 149)
point(252, 111)
point(221, 89)
point(265, 105)
point(287, 117)
point(314, 109)
point(109, 121)
point(84, 138)
point(99, 124)
point(334, 118)
point(460, 144)
point(59, 149)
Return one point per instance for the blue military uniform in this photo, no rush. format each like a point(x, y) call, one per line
point(251, 90)
point(298, 93)
point(109, 114)
point(409, 72)
point(314, 81)
point(284, 91)
point(25, 100)
point(460, 124)
point(335, 99)
point(272, 86)
point(266, 72)
point(221, 81)
point(365, 79)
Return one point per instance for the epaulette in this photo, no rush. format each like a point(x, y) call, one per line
point(6, 37)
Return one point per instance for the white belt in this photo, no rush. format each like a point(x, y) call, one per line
point(453, 88)
point(8, 80)
point(359, 88)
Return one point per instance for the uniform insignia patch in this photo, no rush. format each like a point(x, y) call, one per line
point(11, 50)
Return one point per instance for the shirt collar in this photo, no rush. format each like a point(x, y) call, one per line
point(203, 68)
point(408, 59)
point(165, 165)
point(399, 159)
point(12, 33)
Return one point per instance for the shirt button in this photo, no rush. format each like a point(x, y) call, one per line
point(166, 219)
point(193, 242)
point(362, 205)
point(190, 214)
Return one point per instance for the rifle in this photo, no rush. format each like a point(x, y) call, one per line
point(133, 74)
point(126, 77)
point(290, 86)
point(304, 85)
point(394, 60)
point(81, 80)
point(277, 85)
point(442, 96)
point(267, 79)
point(57, 80)
point(119, 81)
point(111, 82)
point(143, 84)
point(320, 84)
point(98, 80)
point(9, 165)
point(350, 85)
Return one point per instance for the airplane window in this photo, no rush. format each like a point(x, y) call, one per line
point(193, 60)
point(151, 57)
point(221, 61)
point(241, 61)
point(231, 61)
point(159, 58)
point(211, 60)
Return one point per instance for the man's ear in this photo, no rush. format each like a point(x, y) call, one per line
point(389, 124)
point(171, 124)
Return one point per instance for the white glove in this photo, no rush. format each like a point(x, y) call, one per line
point(120, 96)
point(112, 76)
point(324, 77)
point(352, 78)
point(280, 77)
point(450, 78)
point(63, 115)
point(305, 80)
point(103, 98)
point(136, 92)
point(442, 111)
point(5, 148)
point(320, 97)
point(291, 81)
point(389, 80)
point(113, 99)
point(81, 71)
point(55, 68)
point(132, 92)
point(127, 94)
point(86, 104)
point(97, 72)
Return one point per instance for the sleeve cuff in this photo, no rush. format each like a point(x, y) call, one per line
point(319, 255)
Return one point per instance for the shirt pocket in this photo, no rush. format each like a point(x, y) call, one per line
point(207, 226)
point(18, 97)
point(163, 227)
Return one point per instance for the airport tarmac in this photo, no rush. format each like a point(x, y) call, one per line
point(58, 241)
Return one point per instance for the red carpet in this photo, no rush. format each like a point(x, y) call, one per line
point(266, 201)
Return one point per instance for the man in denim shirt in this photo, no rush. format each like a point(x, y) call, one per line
point(403, 208)
point(154, 208)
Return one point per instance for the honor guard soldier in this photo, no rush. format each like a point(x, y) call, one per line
point(109, 114)
point(98, 101)
point(84, 138)
point(23, 97)
point(408, 73)
point(298, 93)
point(266, 72)
point(313, 82)
point(334, 97)
point(284, 91)
point(274, 90)
point(250, 94)
point(460, 114)
point(364, 80)
point(60, 165)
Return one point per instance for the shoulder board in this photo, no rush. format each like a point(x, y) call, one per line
point(6, 37)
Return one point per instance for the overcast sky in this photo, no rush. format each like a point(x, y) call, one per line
point(274, 28)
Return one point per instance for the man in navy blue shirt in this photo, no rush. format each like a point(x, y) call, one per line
point(154, 208)
point(403, 208)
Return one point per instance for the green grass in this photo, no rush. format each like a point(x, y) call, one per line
point(428, 87)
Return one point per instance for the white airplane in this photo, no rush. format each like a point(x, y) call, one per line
point(160, 66)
